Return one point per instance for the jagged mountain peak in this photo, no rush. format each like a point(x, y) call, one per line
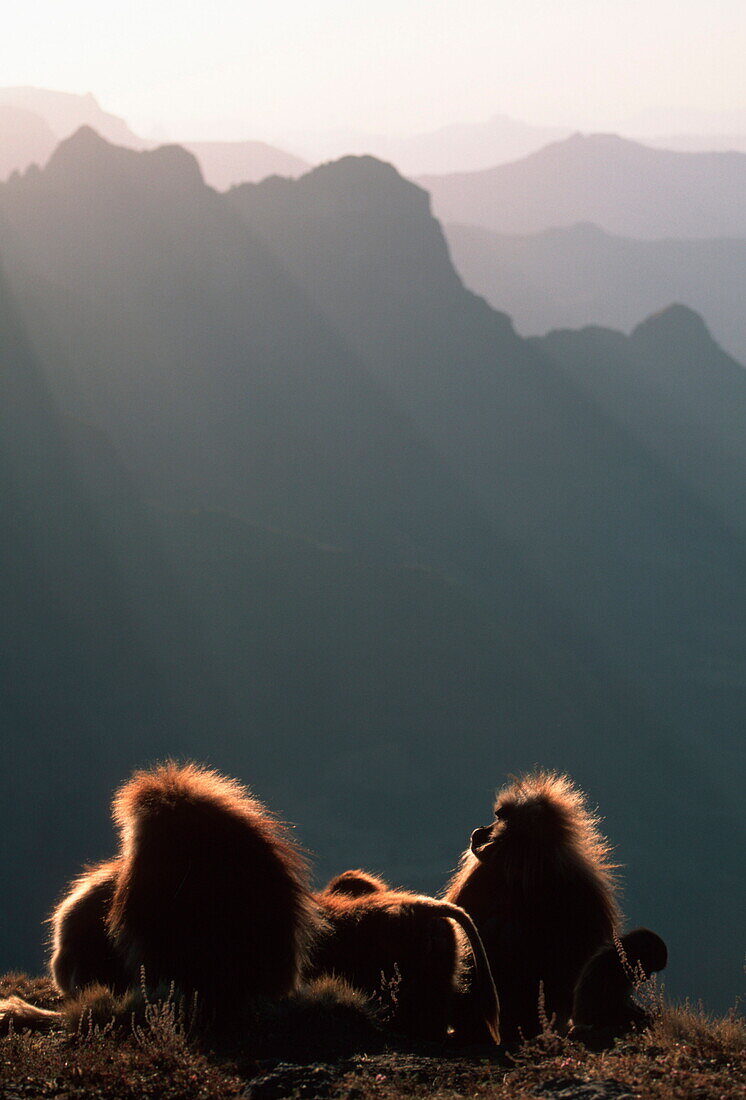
point(675, 322)
point(368, 222)
point(358, 167)
point(89, 155)
point(364, 175)
point(65, 112)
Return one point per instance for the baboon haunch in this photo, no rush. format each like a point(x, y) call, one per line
point(540, 887)
point(83, 952)
point(208, 892)
point(604, 1006)
point(211, 893)
point(377, 936)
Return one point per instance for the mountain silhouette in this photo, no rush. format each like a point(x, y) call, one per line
point(226, 163)
point(209, 350)
point(25, 139)
point(34, 120)
point(672, 387)
point(699, 142)
point(461, 147)
point(580, 275)
point(66, 112)
point(625, 188)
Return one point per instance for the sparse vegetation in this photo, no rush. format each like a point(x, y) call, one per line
point(686, 1053)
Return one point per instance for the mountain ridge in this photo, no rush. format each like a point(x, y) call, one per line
point(42, 118)
point(65, 112)
point(581, 274)
point(625, 187)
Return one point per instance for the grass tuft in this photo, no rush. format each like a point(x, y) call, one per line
point(325, 1042)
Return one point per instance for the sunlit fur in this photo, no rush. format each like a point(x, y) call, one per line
point(83, 953)
point(208, 893)
point(541, 890)
point(212, 894)
point(356, 884)
point(404, 949)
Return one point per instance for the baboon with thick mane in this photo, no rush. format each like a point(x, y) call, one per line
point(378, 935)
point(208, 892)
point(540, 886)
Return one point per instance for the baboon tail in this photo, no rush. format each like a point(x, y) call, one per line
point(485, 983)
point(19, 1015)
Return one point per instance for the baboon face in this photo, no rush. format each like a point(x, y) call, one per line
point(483, 838)
point(516, 822)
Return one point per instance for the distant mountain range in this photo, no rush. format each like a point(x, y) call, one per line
point(464, 147)
point(655, 126)
point(34, 120)
point(700, 143)
point(25, 138)
point(623, 187)
point(581, 275)
point(284, 495)
point(472, 147)
point(226, 163)
point(665, 384)
point(65, 112)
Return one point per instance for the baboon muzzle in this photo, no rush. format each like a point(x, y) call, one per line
point(479, 838)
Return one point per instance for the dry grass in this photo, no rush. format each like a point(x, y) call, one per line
point(686, 1054)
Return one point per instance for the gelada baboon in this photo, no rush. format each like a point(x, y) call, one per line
point(604, 1006)
point(83, 952)
point(208, 892)
point(388, 941)
point(540, 887)
point(355, 884)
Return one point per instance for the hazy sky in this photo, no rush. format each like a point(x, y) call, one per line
point(229, 68)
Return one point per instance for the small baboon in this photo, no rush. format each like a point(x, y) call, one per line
point(356, 884)
point(83, 952)
point(540, 887)
point(208, 892)
point(404, 949)
point(604, 1006)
